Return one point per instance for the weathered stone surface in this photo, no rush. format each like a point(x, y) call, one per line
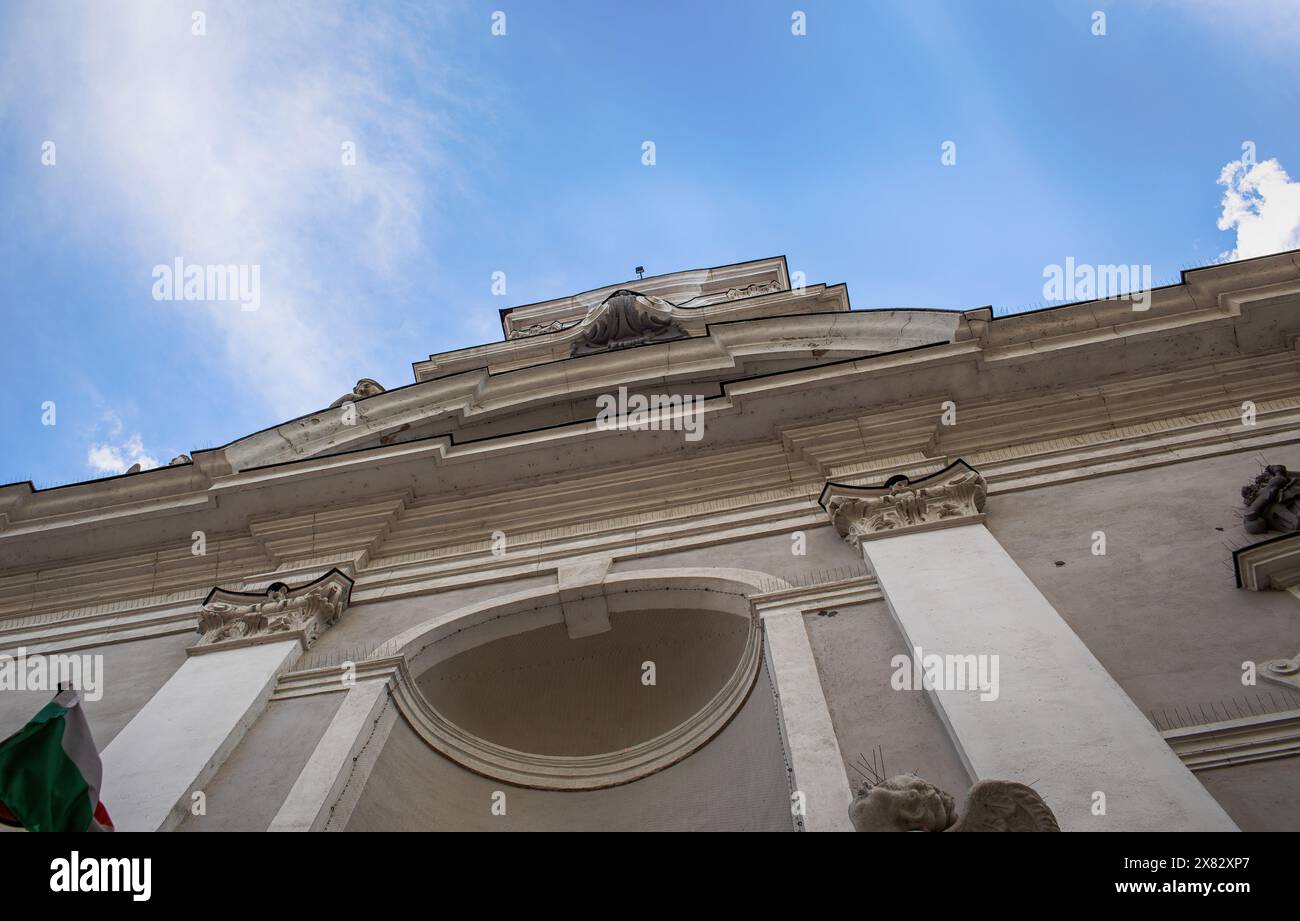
point(1272, 501)
point(364, 388)
point(625, 319)
point(239, 618)
point(908, 803)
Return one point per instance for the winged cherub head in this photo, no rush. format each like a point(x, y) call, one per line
point(902, 803)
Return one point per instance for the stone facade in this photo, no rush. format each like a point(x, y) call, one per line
point(996, 550)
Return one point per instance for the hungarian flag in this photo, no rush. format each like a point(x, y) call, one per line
point(50, 772)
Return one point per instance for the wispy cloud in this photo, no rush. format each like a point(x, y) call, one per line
point(1262, 204)
point(113, 451)
point(1270, 25)
point(227, 147)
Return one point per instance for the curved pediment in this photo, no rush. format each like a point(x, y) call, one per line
point(479, 403)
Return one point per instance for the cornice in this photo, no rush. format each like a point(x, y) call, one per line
point(1240, 741)
point(1272, 563)
point(439, 542)
point(1199, 302)
point(827, 595)
point(1127, 417)
point(474, 396)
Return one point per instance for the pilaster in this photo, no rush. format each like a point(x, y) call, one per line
point(183, 735)
point(1042, 711)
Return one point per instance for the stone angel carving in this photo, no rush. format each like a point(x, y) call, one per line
point(1272, 501)
point(366, 387)
point(908, 803)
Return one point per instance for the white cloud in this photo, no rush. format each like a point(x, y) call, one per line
point(1262, 204)
point(225, 148)
point(110, 458)
point(112, 453)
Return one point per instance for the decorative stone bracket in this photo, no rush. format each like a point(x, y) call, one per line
point(232, 619)
point(954, 495)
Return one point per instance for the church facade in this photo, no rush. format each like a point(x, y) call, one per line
point(713, 551)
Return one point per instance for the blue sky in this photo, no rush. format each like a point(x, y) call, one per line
point(522, 153)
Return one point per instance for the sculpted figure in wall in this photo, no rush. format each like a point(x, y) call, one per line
point(908, 803)
point(1272, 501)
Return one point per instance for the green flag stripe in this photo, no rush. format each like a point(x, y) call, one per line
point(39, 783)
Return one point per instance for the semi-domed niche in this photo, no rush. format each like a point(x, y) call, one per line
point(641, 702)
point(542, 692)
point(520, 699)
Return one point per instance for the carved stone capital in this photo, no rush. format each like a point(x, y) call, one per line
point(954, 495)
point(231, 619)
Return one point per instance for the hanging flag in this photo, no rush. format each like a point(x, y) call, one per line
point(50, 772)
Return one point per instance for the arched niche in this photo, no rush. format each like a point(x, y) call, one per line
point(503, 690)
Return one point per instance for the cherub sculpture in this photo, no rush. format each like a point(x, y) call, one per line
point(908, 803)
point(364, 388)
point(1272, 501)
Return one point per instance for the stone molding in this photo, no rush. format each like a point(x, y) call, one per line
point(233, 619)
point(1268, 564)
point(834, 593)
point(1239, 741)
point(954, 495)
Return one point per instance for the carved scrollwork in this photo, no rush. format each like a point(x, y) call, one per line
point(754, 290)
point(541, 329)
point(626, 319)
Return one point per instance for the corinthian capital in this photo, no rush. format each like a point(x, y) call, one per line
point(229, 619)
point(954, 495)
